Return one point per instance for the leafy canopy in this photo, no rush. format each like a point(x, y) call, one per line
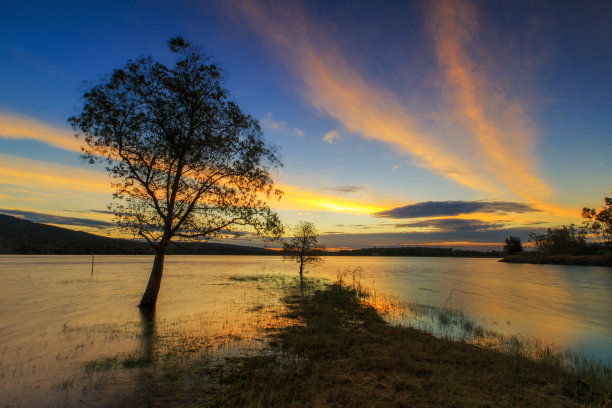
point(564, 240)
point(600, 222)
point(186, 161)
point(304, 246)
point(513, 245)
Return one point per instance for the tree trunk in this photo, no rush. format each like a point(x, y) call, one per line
point(301, 276)
point(149, 298)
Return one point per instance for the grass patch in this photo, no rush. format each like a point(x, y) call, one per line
point(340, 352)
point(100, 365)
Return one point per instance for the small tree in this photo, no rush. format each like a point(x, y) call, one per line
point(187, 162)
point(303, 248)
point(513, 245)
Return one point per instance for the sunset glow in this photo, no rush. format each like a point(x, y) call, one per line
point(444, 123)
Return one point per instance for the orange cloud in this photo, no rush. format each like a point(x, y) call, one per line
point(498, 123)
point(296, 198)
point(19, 127)
point(496, 160)
point(47, 176)
point(331, 136)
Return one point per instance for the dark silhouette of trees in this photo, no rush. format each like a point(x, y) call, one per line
point(513, 245)
point(564, 240)
point(187, 163)
point(600, 223)
point(303, 248)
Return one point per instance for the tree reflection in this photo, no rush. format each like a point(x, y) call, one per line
point(148, 337)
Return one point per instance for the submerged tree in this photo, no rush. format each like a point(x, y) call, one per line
point(303, 248)
point(187, 162)
point(513, 245)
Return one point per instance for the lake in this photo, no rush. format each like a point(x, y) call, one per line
point(62, 328)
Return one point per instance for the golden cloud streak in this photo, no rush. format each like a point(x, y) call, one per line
point(296, 198)
point(18, 127)
point(498, 124)
point(47, 176)
point(500, 160)
point(334, 87)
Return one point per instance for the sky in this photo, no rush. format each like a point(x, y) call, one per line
point(419, 123)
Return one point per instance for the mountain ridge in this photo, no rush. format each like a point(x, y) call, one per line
point(19, 236)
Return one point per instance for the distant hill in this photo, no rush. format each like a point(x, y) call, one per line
point(18, 236)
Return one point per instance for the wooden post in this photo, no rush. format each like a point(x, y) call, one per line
point(92, 264)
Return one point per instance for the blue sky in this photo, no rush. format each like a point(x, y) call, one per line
point(373, 106)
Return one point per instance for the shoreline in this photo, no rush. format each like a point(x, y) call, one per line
point(338, 351)
point(578, 260)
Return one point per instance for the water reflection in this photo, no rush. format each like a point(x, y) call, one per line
point(54, 318)
point(148, 337)
point(569, 306)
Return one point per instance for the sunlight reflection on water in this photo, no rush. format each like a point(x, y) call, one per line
point(61, 331)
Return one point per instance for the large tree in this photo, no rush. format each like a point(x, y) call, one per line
point(187, 162)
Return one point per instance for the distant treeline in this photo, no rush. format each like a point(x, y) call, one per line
point(417, 251)
point(590, 244)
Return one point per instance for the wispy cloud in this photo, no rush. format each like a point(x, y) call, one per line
point(299, 198)
point(57, 219)
point(346, 189)
point(37, 174)
point(499, 159)
point(13, 126)
point(447, 208)
point(39, 63)
point(497, 121)
point(269, 122)
point(331, 136)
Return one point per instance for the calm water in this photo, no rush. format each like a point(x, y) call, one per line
point(56, 319)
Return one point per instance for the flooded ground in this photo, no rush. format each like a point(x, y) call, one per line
point(66, 334)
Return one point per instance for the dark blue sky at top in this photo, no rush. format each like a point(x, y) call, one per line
point(49, 48)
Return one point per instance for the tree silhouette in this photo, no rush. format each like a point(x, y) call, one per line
point(513, 245)
point(600, 223)
point(303, 248)
point(563, 240)
point(187, 162)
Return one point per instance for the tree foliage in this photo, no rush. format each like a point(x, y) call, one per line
point(304, 247)
point(513, 245)
point(187, 163)
point(564, 240)
point(599, 223)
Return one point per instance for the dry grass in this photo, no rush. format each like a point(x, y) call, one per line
point(340, 353)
